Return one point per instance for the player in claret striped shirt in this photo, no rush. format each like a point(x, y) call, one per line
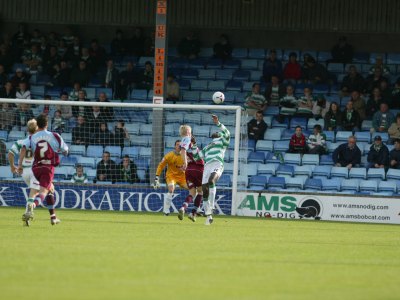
point(213, 155)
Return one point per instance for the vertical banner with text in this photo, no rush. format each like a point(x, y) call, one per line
point(160, 52)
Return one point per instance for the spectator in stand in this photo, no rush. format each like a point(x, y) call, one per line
point(3, 76)
point(342, 52)
point(333, 118)
point(20, 76)
point(50, 60)
point(316, 142)
point(81, 110)
point(62, 49)
point(97, 53)
point(350, 118)
point(6, 57)
point(119, 45)
point(136, 43)
point(288, 103)
point(58, 122)
point(103, 136)
point(386, 92)
point(172, 89)
point(121, 134)
point(46, 109)
point(81, 133)
point(272, 66)
point(274, 91)
point(257, 127)
point(36, 36)
point(21, 38)
point(378, 155)
point(74, 51)
point(147, 77)
point(382, 119)
point(7, 117)
point(23, 114)
point(379, 65)
point(292, 70)
point(305, 103)
point(95, 118)
point(316, 73)
point(394, 155)
point(394, 129)
point(255, 101)
point(149, 44)
point(66, 110)
point(68, 36)
point(44, 46)
point(106, 168)
point(33, 59)
point(129, 79)
point(85, 56)
point(62, 75)
point(112, 76)
point(348, 154)
point(297, 142)
point(373, 103)
point(223, 48)
point(395, 97)
point(107, 112)
point(320, 107)
point(79, 175)
point(7, 91)
point(81, 74)
point(22, 91)
point(353, 81)
point(189, 46)
point(374, 80)
point(358, 104)
point(127, 171)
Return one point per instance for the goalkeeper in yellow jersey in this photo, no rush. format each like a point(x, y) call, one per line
point(175, 174)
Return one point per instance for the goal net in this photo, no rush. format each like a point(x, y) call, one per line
point(115, 150)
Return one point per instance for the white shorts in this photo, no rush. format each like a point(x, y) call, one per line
point(30, 179)
point(213, 167)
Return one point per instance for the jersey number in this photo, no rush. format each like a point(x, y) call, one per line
point(43, 148)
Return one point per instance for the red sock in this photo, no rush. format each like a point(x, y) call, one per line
point(36, 202)
point(39, 198)
point(197, 203)
point(50, 205)
point(188, 199)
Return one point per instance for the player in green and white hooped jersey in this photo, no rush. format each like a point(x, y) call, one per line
point(213, 155)
point(27, 162)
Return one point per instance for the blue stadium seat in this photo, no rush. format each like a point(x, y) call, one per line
point(184, 84)
point(239, 53)
point(263, 145)
point(333, 184)
point(207, 74)
point(376, 173)
point(322, 171)
point(393, 174)
point(276, 182)
point(256, 157)
point(203, 130)
point(144, 152)
point(257, 53)
point(310, 159)
point(258, 180)
point(225, 181)
point(267, 169)
point(248, 86)
point(303, 170)
point(234, 85)
point(292, 158)
point(363, 136)
point(312, 122)
point(323, 56)
point(384, 136)
point(280, 124)
point(216, 85)
point(298, 121)
point(214, 63)
point(141, 163)
point(368, 186)
point(132, 128)
point(393, 58)
point(197, 63)
point(232, 64)
point(313, 184)
point(115, 151)
point(137, 94)
point(38, 91)
point(321, 88)
point(107, 91)
point(295, 182)
point(342, 136)
point(133, 152)
point(249, 64)
point(255, 75)
point(3, 135)
point(189, 74)
point(91, 174)
point(16, 135)
point(62, 172)
point(192, 118)
point(285, 170)
point(251, 145)
point(250, 169)
point(273, 134)
point(274, 158)
point(326, 160)
point(146, 129)
point(387, 186)
point(87, 162)
point(5, 172)
point(198, 85)
point(341, 172)
point(94, 151)
point(281, 146)
point(360, 173)
point(336, 68)
point(366, 125)
point(206, 52)
point(68, 161)
point(350, 185)
point(224, 74)
point(286, 53)
point(77, 150)
point(330, 136)
point(272, 111)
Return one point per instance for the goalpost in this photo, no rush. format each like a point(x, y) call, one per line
point(129, 140)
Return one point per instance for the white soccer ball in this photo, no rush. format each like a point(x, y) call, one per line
point(218, 97)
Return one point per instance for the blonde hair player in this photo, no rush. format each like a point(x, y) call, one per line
point(174, 176)
point(27, 174)
point(193, 173)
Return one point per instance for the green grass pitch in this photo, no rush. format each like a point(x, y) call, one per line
point(121, 255)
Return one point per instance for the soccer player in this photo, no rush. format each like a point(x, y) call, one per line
point(213, 155)
point(193, 173)
point(27, 174)
point(175, 174)
point(45, 146)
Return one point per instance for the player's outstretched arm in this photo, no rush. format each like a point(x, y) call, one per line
point(22, 154)
point(225, 132)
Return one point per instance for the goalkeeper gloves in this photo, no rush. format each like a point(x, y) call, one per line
point(193, 140)
point(156, 183)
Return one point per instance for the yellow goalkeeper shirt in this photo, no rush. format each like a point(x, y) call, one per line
point(174, 162)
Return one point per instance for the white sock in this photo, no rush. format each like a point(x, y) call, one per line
point(211, 198)
point(207, 207)
point(167, 203)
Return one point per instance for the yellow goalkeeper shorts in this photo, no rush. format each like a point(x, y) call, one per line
point(180, 180)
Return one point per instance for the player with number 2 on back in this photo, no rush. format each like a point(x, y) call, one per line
point(45, 146)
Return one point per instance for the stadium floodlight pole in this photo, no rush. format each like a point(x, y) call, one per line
point(212, 108)
point(159, 91)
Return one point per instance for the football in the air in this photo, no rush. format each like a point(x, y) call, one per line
point(218, 97)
